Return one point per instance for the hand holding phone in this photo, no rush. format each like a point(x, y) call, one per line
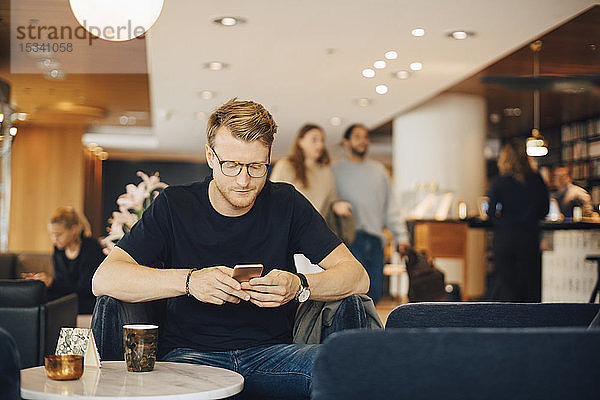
point(243, 273)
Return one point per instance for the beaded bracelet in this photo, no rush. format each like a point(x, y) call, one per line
point(187, 281)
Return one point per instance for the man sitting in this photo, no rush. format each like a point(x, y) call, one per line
point(192, 235)
point(569, 195)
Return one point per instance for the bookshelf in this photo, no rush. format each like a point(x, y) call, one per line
point(580, 148)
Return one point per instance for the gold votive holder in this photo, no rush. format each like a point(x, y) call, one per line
point(64, 367)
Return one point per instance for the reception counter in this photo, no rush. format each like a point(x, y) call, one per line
point(457, 249)
point(566, 275)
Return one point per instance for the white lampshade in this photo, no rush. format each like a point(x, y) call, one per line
point(536, 148)
point(116, 20)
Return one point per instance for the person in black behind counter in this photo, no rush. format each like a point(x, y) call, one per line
point(518, 200)
point(76, 257)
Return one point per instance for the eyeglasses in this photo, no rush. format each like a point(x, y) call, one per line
point(233, 168)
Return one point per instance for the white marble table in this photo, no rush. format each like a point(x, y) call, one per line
point(168, 381)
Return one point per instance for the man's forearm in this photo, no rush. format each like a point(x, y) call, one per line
point(120, 278)
point(341, 281)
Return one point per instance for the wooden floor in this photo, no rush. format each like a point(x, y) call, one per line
point(386, 305)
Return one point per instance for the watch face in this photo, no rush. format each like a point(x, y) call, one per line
point(303, 295)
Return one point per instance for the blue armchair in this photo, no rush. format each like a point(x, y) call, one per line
point(464, 363)
point(492, 315)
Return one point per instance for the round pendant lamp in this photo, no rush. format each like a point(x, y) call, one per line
point(116, 20)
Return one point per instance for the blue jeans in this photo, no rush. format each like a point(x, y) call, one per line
point(368, 250)
point(280, 371)
point(276, 371)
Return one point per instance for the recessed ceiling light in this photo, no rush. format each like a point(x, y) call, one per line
point(215, 65)
point(55, 74)
point(460, 35)
point(416, 66)
point(363, 102)
point(48, 63)
point(368, 73)
point(229, 21)
point(97, 150)
point(418, 32)
point(381, 89)
point(22, 116)
point(335, 121)
point(379, 64)
point(13, 131)
point(403, 74)
point(206, 94)
point(391, 55)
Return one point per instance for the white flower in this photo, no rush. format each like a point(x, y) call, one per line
point(132, 205)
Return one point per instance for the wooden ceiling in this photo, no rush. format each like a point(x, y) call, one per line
point(571, 49)
point(81, 99)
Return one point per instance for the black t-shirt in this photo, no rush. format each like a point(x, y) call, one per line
point(75, 276)
point(181, 229)
point(523, 205)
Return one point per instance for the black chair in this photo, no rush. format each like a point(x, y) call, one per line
point(8, 265)
point(33, 322)
point(459, 363)
point(596, 290)
point(492, 315)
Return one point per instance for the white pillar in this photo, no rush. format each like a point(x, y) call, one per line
point(442, 142)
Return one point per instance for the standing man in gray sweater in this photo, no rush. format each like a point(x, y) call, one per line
point(366, 185)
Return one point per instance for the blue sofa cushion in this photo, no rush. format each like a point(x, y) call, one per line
point(451, 363)
point(491, 315)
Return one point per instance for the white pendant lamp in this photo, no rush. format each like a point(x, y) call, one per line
point(536, 145)
point(116, 20)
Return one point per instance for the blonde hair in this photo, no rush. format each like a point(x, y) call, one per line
point(513, 160)
point(246, 120)
point(70, 218)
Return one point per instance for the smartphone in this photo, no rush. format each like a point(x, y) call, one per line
point(243, 273)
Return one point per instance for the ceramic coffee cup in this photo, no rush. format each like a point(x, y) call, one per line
point(139, 343)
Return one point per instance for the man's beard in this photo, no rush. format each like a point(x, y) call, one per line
point(238, 202)
point(357, 152)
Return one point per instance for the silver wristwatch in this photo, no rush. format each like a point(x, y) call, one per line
point(304, 292)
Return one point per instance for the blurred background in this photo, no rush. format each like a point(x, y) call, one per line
point(439, 84)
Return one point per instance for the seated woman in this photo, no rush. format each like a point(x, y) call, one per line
point(76, 257)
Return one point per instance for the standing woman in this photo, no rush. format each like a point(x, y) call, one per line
point(307, 168)
point(518, 200)
point(76, 257)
